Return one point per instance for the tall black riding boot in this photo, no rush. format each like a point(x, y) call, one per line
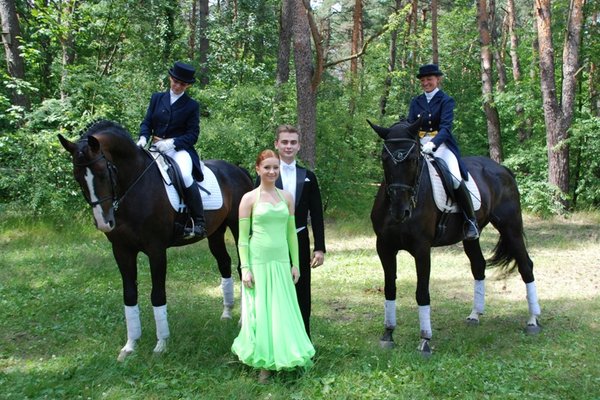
point(194, 202)
point(463, 198)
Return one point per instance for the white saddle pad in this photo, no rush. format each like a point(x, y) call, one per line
point(213, 200)
point(442, 201)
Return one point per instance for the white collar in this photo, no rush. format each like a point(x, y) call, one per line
point(430, 95)
point(290, 165)
point(175, 97)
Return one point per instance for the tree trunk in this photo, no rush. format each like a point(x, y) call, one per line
point(493, 120)
point(514, 40)
point(285, 35)
point(523, 132)
point(558, 113)
point(204, 43)
point(496, 46)
point(193, 27)
point(594, 76)
point(387, 84)
point(11, 32)
point(435, 56)
point(305, 93)
point(356, 36)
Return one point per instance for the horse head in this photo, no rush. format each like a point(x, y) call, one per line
point(94, 170)
point(401, 166)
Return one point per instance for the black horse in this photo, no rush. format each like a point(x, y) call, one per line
point(125, 189)
point(405, 217)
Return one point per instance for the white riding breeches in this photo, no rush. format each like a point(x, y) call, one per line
point(448, 156)
point(184, 161)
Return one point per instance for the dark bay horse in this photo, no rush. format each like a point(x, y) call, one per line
point(125, 189)
point(405, 217)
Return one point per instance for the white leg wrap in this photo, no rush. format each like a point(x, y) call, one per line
point(134, 326)
point(479, 296)
point(390, 313)
point(227, 287)
point(425, 321)
point(162, 325)
point(532, 299)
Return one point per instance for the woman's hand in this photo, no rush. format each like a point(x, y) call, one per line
point(248, 279)
point(295, 274)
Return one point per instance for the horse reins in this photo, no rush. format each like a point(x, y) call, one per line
point(112, 171)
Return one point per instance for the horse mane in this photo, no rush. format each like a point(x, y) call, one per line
point(104, 125)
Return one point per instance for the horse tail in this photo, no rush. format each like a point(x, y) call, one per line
point(503, 257)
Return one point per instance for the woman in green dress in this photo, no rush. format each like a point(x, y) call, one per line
point(272, 335)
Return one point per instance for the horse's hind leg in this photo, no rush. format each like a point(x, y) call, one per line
point(473, 251)
point(158, 271)
point(512, 247)
point(216, 244)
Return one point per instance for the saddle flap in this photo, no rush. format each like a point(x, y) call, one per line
point(442, 186)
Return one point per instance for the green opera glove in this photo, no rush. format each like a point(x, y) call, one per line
point(243, 241)
point(292, 239)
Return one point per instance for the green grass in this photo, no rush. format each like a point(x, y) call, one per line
point(62, 324)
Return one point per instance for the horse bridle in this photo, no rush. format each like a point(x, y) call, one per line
point(112, 172)
point(398, 157)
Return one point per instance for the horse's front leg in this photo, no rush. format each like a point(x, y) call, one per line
point(387, 256)
point(158, 297)
point(423, 266)
point(126, 260)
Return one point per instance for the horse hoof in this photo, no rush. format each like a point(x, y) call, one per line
point(472, 322)
point(123, 355)
point(533, 329)
point(161, 347)
point(226, 313)
point(425, 348)
point(387, 344)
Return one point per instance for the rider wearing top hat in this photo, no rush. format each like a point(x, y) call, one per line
point(173, 121)
point(436, 111)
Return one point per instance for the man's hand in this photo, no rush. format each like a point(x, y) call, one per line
point(142, 142)
point(318, 259)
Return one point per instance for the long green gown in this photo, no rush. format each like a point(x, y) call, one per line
point(272, 334)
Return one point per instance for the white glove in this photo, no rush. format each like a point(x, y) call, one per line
point(428, 148)
point(165, 145)
point(142, 142)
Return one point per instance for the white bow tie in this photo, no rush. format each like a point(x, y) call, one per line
point(289, 168)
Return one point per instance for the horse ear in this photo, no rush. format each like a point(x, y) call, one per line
point(67, 144)
point(381, 131)
point(93, 143)
point(414, 127)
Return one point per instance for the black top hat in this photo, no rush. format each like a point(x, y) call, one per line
point(429, 69)
point(183, 72)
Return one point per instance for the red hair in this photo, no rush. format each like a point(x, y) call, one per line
point(264, 155)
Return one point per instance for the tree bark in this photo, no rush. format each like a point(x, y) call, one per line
point(493, 120)
point(558, 114)
point(356, 36)
point(204, 42)
point(306, 96)
point(387, 84)
point(11, 32)
point(594, 76)
point(285, 36)
point(435, 55)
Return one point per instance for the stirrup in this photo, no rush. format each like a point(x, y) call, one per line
point(195, 231)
